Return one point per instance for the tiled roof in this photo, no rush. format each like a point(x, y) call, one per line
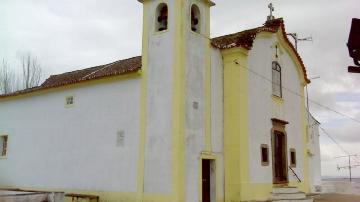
point(112, 69)
point(243, 39)
point(116, 68)
point(246, 39)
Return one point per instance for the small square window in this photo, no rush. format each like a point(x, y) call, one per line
point(264, 155)
point(3, 145)
point(292, 157)
point(69, 100)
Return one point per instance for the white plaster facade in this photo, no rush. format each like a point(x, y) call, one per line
point(262, 107)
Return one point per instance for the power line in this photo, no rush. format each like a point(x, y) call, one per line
point(333, 139)
point(301, 96)
point(298, 94)
point(338, 144)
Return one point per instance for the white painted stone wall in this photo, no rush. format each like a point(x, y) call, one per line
point(217, 116)
point(262, 107)
point(314, 155)
point(195, 101)
point(54, 147)
point(158, 134)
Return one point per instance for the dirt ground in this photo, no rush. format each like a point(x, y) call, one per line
point(337, 198)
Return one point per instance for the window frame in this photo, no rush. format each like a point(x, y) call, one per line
point(293, 161)
point(263, 162)
point(5, 147)
point(276, 67)
point(67, 105)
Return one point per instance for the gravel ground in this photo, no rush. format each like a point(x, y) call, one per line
point(337, 198)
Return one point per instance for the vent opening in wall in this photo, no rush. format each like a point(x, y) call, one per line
point(264, 155)
point(195, 18)
point(292, 157)
point(69, 100)
point(161, 17)
point(3, 145)
point(120, 138)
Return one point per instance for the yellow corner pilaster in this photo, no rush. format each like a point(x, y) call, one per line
point(178, 131)
point(236, 150)
point(143, 101)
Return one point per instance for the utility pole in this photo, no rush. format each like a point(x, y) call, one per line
point(349, 166)
point(296, 40)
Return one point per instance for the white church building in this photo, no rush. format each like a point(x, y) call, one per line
point(193, 118)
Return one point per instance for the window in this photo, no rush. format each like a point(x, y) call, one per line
point(276, 79)
point(69, 100)
point(3, 145)
point(161, 18)
point(195, 18)
point(264, 155)
point(292, 157)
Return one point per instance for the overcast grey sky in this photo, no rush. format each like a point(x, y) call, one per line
point(67, 35)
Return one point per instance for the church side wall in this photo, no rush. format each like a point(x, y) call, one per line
point(92, 145)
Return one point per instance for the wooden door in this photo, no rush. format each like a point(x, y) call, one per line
point(280, 170)
point(206, 180)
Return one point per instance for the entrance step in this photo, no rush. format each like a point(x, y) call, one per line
point(295, 200)
point(289, 194)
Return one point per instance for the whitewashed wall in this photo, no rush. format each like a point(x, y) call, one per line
point(158, 135)
point(262, 108)
point(217, 116)
point(195, 73)
point(51, 146)
point(315, 155)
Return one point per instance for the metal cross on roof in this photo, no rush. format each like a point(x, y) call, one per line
point(272, 9)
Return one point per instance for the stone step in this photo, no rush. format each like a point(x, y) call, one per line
point(285, 190)
point(294, 200)
point(296, 195)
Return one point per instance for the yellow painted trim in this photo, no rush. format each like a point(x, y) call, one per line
point(304, 130)
point(207, 84)
point(75, 85)
point(236, 143)
point(277, 100)
point(106, 196)
point(218, 174)
point(208, 155)
point(143, 102)
point(178, 124)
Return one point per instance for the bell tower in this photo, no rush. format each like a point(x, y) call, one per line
point(176, 100)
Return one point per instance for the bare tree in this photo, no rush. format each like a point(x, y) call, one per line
point(31, 71)
point(7, 78)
